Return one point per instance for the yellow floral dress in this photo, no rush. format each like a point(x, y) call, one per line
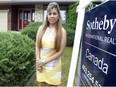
point(51, 73)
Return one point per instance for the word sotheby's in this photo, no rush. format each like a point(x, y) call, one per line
point(106, 24)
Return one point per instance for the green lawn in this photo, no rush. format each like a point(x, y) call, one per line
point(66, 58)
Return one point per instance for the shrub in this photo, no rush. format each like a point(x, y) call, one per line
point(31, 30)
point(17, 59)
point(70, 35)
point(72, 16)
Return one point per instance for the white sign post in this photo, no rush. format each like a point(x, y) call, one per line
point(81, 12)
point(78, 32)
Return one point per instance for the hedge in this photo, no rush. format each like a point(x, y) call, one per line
point(31, 30)
point(17, 59)
point(70, 35)
point(72, 15)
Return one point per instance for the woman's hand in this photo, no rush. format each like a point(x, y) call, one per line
point(39, 66)
point(39, 63)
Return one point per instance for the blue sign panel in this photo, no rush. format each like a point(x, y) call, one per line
point(98, 65)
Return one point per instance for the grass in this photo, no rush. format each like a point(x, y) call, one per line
point(66, 58)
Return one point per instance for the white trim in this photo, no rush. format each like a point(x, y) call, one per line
point(4, 11)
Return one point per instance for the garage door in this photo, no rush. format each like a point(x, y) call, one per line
point(3, 20)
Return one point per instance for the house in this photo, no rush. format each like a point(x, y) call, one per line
point(16, 14)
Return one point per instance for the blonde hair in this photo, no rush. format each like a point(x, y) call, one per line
point(58, 27)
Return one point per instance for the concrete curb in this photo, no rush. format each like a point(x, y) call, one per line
point(31, 79)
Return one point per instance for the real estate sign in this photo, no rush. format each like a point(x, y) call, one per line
point(98, 64)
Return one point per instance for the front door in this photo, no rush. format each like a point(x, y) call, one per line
point(25, 17)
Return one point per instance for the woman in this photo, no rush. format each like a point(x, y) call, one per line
point(50, 44)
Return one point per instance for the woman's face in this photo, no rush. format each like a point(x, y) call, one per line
point(53, 16)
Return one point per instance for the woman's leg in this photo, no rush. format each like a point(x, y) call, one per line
point(41, 84)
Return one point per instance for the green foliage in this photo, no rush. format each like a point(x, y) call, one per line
point(66, 59)
point(70, 35)
point(31, 30)
point(72, 15)
point(90, 6)
point(17, 59)
point(70, 27)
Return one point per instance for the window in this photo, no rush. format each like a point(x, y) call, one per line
point(63, 16)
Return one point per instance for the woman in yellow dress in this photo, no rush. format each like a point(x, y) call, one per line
point(50, 44)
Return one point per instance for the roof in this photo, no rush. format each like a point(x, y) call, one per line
point(36, 1)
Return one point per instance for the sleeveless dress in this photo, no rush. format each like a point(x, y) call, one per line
point(51, 72)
